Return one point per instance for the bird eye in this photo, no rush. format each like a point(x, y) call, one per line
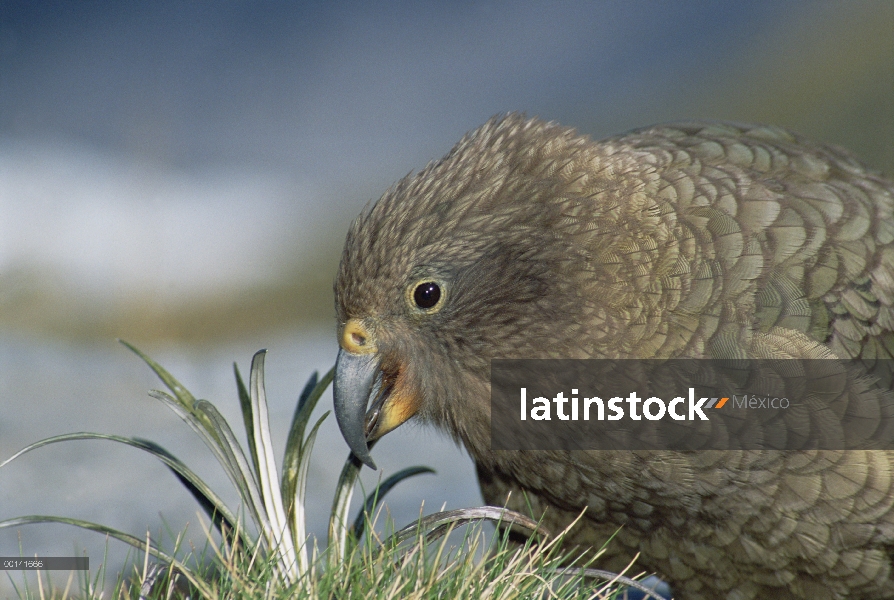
point(426, 294)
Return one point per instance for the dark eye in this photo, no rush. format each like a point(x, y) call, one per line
point(426, 294)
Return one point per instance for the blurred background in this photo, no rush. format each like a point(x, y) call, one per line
point(182, 175)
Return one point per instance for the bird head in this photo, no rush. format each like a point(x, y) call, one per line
point(478, 256)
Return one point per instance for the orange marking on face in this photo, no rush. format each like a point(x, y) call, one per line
point(401, 404)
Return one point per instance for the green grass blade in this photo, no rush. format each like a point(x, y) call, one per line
point(310, 395)
point(214, 431)
point(245, 405)
point(197, 421)
point(296, 502)
point(235, 464)
point(307, 401)
point(213, 506)
point(268, 477)
point(341, 505)
point(172, 462)
point(304, 396)
point(306, 404)
point(181, 393)
point(136, 542)
point(292, 455)
point(373, 499)
point(212, 436)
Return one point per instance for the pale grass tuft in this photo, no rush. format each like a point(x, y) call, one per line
point(277, 558)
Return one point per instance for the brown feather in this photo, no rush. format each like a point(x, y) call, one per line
point(682, 240)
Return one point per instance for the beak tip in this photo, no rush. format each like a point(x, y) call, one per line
point(363, 456)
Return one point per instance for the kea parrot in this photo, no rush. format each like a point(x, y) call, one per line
point(686, 240)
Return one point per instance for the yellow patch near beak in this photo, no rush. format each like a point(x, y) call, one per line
point(396, 401)
point(400, 404)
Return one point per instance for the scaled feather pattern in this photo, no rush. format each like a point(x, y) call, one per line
point(701, 240)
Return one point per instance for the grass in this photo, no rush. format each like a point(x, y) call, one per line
point(262, 549)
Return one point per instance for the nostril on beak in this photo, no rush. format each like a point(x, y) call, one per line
point(356, 338)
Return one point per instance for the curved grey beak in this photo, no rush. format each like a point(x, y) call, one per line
point(356, 376)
